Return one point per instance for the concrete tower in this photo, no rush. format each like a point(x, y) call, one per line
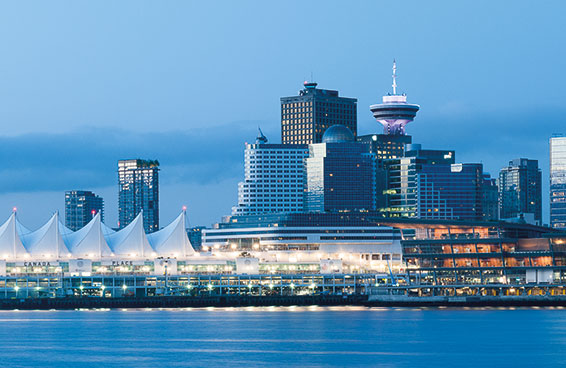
point(394, 113)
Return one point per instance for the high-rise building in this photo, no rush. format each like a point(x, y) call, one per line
point(340, 173)
point(273, 178)
point(195, 237)
point(394, 113)
point(558, 182)
point(520, 193)
point(80, 208)
point(305, 118)
point(450, 191)
point(138, 182)
point(490, 205)
point(383, 147)
point(429, 184)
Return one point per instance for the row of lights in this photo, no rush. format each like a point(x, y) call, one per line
point(89, 255)
point(189, 286)
point(250, 286)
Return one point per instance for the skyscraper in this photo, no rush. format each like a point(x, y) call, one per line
point(394, 113)
point(80, 208)
point(429, 184)
point(305, 118)
point(520, 193)
point(138, 182)
point(340, 173)
point(273, 178)
point(490, 205)
point(558, 182)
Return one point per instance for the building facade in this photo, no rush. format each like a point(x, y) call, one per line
point(305, 118)
point(520, 190)
point(558, 182)
point(273, 179)
point(490, 202)
point(138, 182)
point(340, 174)
point(394, 113)
point(450, 191)
point(402, 180)
point(383, 147)
point(80, 207)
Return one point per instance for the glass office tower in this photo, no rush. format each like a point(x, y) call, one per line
point(340, 174)
point(384, 147)
point(138, 182)
point(558, 182)
point(428, 184)
point(80, 207)
point(305, 118)
point(490, 205)
point(520, 190)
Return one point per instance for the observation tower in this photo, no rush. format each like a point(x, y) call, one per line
point(394, 113)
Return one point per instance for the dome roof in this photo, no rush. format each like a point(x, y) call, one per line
point(337, 134)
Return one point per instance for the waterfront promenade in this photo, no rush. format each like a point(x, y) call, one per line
point(230, 290)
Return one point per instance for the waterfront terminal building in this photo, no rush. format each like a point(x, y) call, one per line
point(341, 252)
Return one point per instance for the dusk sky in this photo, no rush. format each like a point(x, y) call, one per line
point(188, 83)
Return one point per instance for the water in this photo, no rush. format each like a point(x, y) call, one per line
point(291, 336)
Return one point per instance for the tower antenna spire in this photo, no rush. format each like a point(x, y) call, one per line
point(394, 85)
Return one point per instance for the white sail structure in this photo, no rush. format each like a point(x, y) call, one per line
point(21, 229)
point(46, 242)
point(64, 230)
point(130, 241)
point(11, 246)
point(89, 241)
point(172, 240)
point(106, 230)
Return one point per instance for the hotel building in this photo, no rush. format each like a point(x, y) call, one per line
point(273, 178)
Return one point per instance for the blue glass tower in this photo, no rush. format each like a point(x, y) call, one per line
point(340, 174)
point(558, 182)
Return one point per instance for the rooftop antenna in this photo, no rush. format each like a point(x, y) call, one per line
point(394, 85)
point(312, 77)
point(261, 138)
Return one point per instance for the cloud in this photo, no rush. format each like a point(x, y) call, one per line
point(88, 157)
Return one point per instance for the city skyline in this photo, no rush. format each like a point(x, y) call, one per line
point(494, 98)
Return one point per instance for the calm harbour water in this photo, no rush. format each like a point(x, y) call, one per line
point(292, 336)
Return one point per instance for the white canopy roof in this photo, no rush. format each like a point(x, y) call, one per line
point(45, 242)
point(94, 241)
point(131, 240)
point(10, 244)
point(89, 241)
point(106, 230)
point(172, 240)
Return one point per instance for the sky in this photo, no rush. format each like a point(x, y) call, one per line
point(84, 84)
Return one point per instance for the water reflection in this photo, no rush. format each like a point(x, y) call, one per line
point(278, 336)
